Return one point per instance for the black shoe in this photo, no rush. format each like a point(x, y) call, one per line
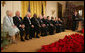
point(73, 30)
point(22, 40)
point(41, 35)
point(51, 33)
point(44, 35)
point(37, 37)
point(26, 39)
point(30, 37)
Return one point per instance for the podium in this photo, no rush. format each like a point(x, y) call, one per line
point(80, 23)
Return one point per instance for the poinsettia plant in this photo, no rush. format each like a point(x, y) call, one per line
point(83, 30)
point(71, 43)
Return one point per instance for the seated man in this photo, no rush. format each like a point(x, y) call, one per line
point(45, 21)
point(57, 25)
point(29, 28)
point(61, 24)
point(43, 26)
point(53, 22)
point(19, 23)
point(50, 26)
point(8, 26)
point(36, 24)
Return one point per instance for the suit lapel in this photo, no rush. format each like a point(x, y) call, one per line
point(29, 20)
point(18, 18)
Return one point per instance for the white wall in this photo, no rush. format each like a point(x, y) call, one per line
point(53, 5)
point(10, 5)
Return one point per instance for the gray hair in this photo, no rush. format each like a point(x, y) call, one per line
point(16, 11)
point(7, 12)
point(27, 13)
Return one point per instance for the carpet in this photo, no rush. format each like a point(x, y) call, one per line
point(35, 44)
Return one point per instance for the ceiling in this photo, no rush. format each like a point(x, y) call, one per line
point(77, 3)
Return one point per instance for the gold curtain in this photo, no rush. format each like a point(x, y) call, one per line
point(35, 7)
point(31, 7)
point(24, 8)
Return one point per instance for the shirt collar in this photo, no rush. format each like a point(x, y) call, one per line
point(17, 16)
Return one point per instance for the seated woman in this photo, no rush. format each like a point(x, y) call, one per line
point(8, 26)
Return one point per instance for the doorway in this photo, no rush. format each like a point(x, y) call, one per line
point(59, 10)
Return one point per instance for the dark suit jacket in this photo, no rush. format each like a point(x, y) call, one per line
point(27, 23)
point(56, 22)
point(35, 22)
point(17, 22)
point(60, 22)
point(49, 22)
point(53, 22)
point(45, 21)
point(74, 18)
point(40, 21)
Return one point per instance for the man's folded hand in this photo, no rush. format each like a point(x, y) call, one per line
point(51, 24)
point(43, 25)
point(60, 24)
point(14, 26)
point(23, 26)
point(32, 26)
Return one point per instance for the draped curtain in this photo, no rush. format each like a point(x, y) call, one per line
point(24, 7)
point(35, 7)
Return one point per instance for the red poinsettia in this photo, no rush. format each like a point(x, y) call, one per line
point(1, 48)
point(83, 30)
point(71, 43)
point(52, 45)
point(45, 47)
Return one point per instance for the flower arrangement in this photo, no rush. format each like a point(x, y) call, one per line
point(83, 30)
point(71, 43)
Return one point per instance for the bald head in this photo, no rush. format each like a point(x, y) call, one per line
point(40, 16)
point(75, 12)
point(17, 13)
point(9, 13)
point(56, 18)
point(45, 17)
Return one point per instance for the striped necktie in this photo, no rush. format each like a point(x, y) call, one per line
point(29, 20)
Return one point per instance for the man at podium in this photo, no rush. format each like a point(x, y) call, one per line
point(75, 19)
